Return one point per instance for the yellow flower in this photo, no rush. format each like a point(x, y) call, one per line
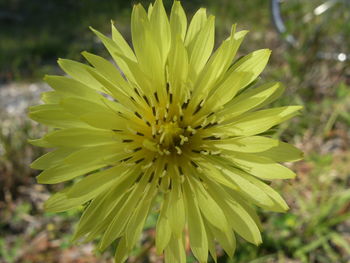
point(177, 124)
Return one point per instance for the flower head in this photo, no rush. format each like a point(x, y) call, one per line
point(174, 128)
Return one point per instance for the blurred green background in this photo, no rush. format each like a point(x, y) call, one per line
point(33, 34)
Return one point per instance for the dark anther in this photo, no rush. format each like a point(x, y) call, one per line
point(137, 149)
point(184, 105)
point(181, 118)
point(210, 114)
point(210, 125)
point(127, 140)
point(138, 115)
point(156, 96)
point(196, 151)
point(171, 98)
point(139, 178)
point(126, 159)
point(198, 107)
point(117, 130)
point(198, 127)
point(151, 178)
point(167, 87)
point(139, 160)
point(159, 181)
point(137, 92)
point(194, 164)
point(180, 170)
point(154, 111)
point(212, 138)
point(139, 134)
point(131, 97)
point(166, 167)
point(148, 124)
point(170, 185)
point(146, 99)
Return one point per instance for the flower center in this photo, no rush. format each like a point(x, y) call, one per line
point(170, 132)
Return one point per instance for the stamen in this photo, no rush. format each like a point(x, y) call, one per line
point(156, 96)
point(138, 115)
point(126, 159)
point(151, 177)
point(146, 99)
point(140, 160)
point(179, 152)
point(137, 92)
point(194, 164)
point(199, 106)
point(212, 138)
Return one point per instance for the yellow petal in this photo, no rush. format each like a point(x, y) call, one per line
point(161, 29)
point(178, 21)
point(197, 233)
point(197, 23)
